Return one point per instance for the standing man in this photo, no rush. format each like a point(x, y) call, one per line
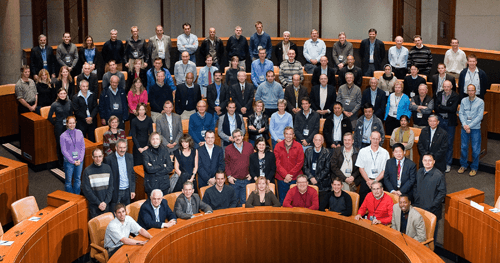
point(471, 115)
point(270, 92)
point(228, 123)
point(439, 79)
point(317, 167)
point(90, 77)
point(335, 127)
point(398, 58)
point(26, 93)
point(187, 95)
point(420, 56)
point(306, 124)
point(341, 50)
point(371, 162)
point(260, 67)
point(122, 165)
point(237, 157)
point(114, 50)
point(159, 94)
point(67, 54)
point(157, 166)
point(475, 76)
point(206, 75)
point(237, 45)
point(323, 97)
point(365, 125)
point(350, 97)
point(135, 48)
point(159, 47)
point(400, 173)
point(289, 162)
point(314, 49)
point(213, 45)
point(289, 68)
point(408, 220)
point(455, 59)
point(294, 93)
point(152, 75)
point(218, 95)
point(376, 97)
point(183, 67)
point(200, 123)
point(155, 211)
point(260, 40)
point(187, 42)
point(97, 185)
point(323, 68)
point(42, 57)
point(169, 127)
point(446, 104)
point(343, 164)
point(242, 94)
point(113, 101)
point(421, 106)
point(210, 160)
point(434, 139)
point(350, 67)
point(372, 53)
point(281, 49)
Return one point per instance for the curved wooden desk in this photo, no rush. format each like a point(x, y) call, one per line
point(276, 235)
point(14, 185)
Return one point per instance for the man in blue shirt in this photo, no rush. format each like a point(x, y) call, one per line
point(270, 92)
point(260, 67)
point(398, 57)
point(314, 49)
point(206, 75)
point(152, 75)
point(258, 40)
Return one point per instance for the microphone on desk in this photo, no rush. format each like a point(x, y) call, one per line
point(401, 235)
point(128, 259)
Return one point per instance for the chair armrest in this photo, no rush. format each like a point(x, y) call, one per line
point(100, 249)
point(428, 241)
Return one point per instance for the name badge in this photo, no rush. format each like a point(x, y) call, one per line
point(67, 59)
point(419, 115)
point(187, 102)
point(75, 155)
point(94, 71)
point(387, 93)
point(374, 171)
point(371, 58)
point(290, 78)
point(395, 112)
point(261, 78)
point(372, 218)
point(314, 166)
point(347, 102)
point(45, 63)
point(397, 64)
point(306, 132)
point(341, 58)
point(262, 173)
point(469, 118)
point(348, 171)
point(365, 138)
point(135, 54)
point(116, 106)
point(217, 102)
point(64, 121)
point(203, 133)
point(88, 113)
point(90, 62)
point(161, 54)
point(412, 94)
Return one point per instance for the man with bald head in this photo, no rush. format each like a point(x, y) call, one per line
point(113, 101)
point(324, 69)
point(421, 106)
point(350, 67)
point(159, 47)
point(434, 139)
point(186, 97)
point(317, 166)
point(242, 94)
point(213, 45)
point(294, 93)
point(182, 67)
point(289, 68)
point(376, 97)
point(398, 57)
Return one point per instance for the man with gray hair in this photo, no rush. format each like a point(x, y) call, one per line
point(289, 68)
point(122, 163)
point(113, 50)
point(421, 106)
point(188, 203)
point(398, 57)
point(341, 50)
point(350, 97)
point(377, 204)
point(159, 47)
point(135, 48)
point(155, 212)
point(42, 57)
point(281, 49)
point(237, 45)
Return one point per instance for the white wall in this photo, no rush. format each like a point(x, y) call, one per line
point(430, 21)
point(356, 17)
point(477, 24)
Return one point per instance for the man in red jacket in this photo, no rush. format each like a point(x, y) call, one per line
point(289, 162)
point(302, 195)
point(237, 156)
point(378, 204)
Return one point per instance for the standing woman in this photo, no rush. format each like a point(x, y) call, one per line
point(262, 162)
point(137, 71)
point(89, 53)
point(258, 123)
point(232, 71)
point(85, 108)
point(398, 104)
point(262, 195)
point(140, 129)
point(46, 92)
point(62, 108)
point(136, 95)
point(111, 137)
point(387, 81)
point(73, 150)
point(186, 162)
point(65, 81)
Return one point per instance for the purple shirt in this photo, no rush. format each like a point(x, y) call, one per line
point(72, 141)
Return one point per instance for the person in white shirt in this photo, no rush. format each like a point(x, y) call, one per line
point(398, 57)
point(314, 49)
point(455, 59)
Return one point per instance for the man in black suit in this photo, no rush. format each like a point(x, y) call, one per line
point(324, 69)
point(356, 71)
point(400, 173)
point(186, 97)
point(371, 59)
point(376, 97)
point(149, 218)
point(286, 44)
point(439, 79)
point(90, 77)
point(294, 94)
point(335, 127)
point(434, 139)
point(122, 165)
point(42, 56)
point(218, 95)
point(209, 163)
point(323, 96)
point(242, 94)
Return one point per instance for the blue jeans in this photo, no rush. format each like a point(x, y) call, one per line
point(306, 147)
point(73, 172)
point(443, 123)
point(309, 68)
point(370, 70)
point(240, 190)
point(283, 189)
point(475, 137)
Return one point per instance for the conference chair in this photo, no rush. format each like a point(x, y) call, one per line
point(99, 133)
point(378, 73)
point(495, 87)
point(134, 208)
point(44, 111)
point(202, 191)
point(395, 198)
point(430, 225)
point(171, 198)
point(185, 126)
point(497, 204)
point(125, 74)
point(154, 127)
point(23, 208)
point(311, 185)
point(355, 202)
point(97, 231)
point(251, 187)
point(1, 229)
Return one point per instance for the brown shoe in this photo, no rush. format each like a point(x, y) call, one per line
point(461, 170)
point(472, 173)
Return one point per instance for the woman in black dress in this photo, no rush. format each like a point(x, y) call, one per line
point(232, 71)
point(65, 81)
point(186, 162)
point(140, 129)
point(46, 92)
point(262, 162)
point(62, 108)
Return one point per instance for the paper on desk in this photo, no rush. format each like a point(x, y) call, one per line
point(477, 206)
point(34, 219)
point(6, 243)
point(495, 210)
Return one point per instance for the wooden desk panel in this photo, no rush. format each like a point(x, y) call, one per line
point(38, 143)
point(13, 186)
point(9, 116)
point(139, 183)
point(491, 105)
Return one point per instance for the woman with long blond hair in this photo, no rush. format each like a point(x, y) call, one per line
point(262, 195)
point(46, 92)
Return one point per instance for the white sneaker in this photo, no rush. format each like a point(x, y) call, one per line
point(448, 168)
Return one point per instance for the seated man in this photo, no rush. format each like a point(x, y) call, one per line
point(186, 97)
point(406, 219)
point(400, 173)
point(335, 126)
point(289, 68)
point(155, 212)
point(119, 230)
point(306, 124)
point(350, 67)
point(188, 203)
point(206, 76)
point(218, 95)
point(294, 93)
point(378, 205)
point(90, 77)
point(260, 67)
point(200, 123)
point(421, 106)
point(302, 195)
point(337, 200)
point(228, 123)
point(113, 71)
point(242, 94)
point(182, 67)
point(220, 196)
point(152, 75)
point(317, 166)
point(210, 160)
point(365, 125)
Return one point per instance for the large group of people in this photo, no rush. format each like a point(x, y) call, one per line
point(311, 169)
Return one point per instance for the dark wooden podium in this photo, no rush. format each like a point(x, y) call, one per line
point(14, 185)
point(8, 111)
